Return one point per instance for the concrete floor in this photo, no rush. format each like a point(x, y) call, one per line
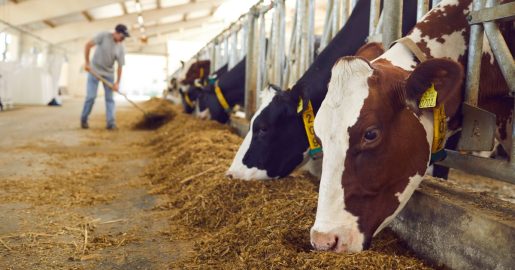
point(78, 199)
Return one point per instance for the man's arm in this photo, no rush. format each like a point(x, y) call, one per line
point(118, 78)
point(87, 50)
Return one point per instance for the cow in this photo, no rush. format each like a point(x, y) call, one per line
point(277, 143)
point(197, 72)
point(190, 96)
point(216, 100)
point(381, 124)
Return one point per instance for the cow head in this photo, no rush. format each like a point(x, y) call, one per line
point(189, 96)
point(376, 145)
point(210, 107)
point(276, 142)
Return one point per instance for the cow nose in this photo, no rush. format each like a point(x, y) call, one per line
point(324, 241)
point(229, 175)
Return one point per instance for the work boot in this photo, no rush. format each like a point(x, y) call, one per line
point(84, 125)
point(112, 127)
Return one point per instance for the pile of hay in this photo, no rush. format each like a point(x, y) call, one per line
point(157, 113)
point(246, 224)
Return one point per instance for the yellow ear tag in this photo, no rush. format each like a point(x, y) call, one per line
point(428, 99)
point(300, 106)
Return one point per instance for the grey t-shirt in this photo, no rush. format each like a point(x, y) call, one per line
point(107, 51)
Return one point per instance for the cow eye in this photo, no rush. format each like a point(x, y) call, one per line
point(262, 131)
point(371, 134)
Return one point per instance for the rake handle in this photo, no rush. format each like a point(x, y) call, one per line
point(108, 83)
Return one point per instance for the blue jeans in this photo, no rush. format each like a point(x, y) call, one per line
point(91, 94)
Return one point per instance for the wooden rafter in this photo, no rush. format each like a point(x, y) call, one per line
point(74, 30)
point(87, 16)
point(124, 8)
point(49, 23)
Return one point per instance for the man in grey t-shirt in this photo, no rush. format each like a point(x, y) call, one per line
point(109, 49)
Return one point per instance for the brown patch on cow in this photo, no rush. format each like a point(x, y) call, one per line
point(370, 51)
point(444, 22)
point(193, 72)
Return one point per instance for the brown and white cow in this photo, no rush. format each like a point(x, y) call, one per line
point(377, 141)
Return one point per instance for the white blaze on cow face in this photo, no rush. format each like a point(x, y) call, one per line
point(335, 228)
point(238, 169)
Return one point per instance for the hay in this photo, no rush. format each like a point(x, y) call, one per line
point(245, 224)
point(158, 112)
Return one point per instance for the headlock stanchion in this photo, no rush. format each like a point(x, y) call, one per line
point(483, 21)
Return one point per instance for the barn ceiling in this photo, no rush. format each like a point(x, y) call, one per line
point(60, 21)
point(151, 22)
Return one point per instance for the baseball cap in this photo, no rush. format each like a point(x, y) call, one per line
point(122, 29)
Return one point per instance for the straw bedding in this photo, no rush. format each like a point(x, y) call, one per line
point(245, 224)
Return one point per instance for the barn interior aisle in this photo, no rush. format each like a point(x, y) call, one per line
point(73, 198)
point(153, 199)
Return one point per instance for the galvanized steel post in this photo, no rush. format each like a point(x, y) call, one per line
point(474, 59)
point(435, 2)
point(422, 8)
point(251, 64)
point(311, 34)
point(392, 24)
point(375, 11)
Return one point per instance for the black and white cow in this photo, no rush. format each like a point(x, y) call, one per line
point(232, 88)
point(277, 143)
point(190, 96)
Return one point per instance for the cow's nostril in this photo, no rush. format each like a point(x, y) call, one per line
point(229, 175)
point(324, 241)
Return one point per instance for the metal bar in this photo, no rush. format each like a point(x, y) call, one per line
point(212, 57)
point(311, 34)
point(504, 12)
point(261, 60)
point(233, 59)
point(353, 4)
point(251, 65)
point(422, 8)
point(375, 10)
point(435, 2)
point(345, 11)
point(226, 52)
point(482, 166)
point(475, 52)
point(392, 27)
point(512, 156)
point(291, 53)
point(326, 35)
point(281, 43)
point(337, 18)
point(501, 52)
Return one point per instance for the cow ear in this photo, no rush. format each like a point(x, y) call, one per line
point(447, 78)
point(370, 51)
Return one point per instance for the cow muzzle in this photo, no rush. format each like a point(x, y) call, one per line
point(349, 241)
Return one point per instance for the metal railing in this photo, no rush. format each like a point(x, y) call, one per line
point(284, 67)
point(483, 23)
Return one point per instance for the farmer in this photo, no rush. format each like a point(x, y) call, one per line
point(109, 49)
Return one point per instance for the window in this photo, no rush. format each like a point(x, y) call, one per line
point(5, 40)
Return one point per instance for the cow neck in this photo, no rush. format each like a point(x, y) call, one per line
point(306, 109)
point(428, 100)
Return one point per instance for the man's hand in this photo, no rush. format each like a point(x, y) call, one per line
point(116, 86)
point(87, 67)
